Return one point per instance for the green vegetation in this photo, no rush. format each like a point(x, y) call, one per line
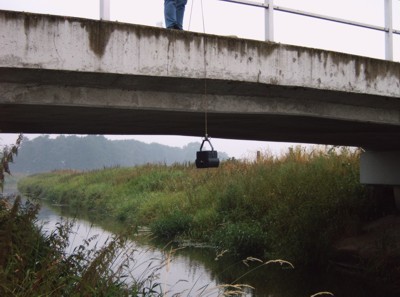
point(291, 207)
point(7, 155)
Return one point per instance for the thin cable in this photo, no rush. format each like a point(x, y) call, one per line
point(205, 100)
point(202, 16)
point(190, 17)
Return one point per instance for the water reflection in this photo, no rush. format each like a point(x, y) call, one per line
point(178, 272)
point(195, 271)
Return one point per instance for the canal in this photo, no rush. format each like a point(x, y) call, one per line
point(199, 271)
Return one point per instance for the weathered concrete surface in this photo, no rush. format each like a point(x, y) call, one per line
point(69, 75)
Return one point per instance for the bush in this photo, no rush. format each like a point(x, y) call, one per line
point(241, 239)
point(172, 225)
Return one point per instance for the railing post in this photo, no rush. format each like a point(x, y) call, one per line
point(269, 20)
point(389, 30)
point(105, 10)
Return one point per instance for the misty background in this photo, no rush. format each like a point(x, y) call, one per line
point(44, 154)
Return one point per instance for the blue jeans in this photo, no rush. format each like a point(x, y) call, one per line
point(173, 13)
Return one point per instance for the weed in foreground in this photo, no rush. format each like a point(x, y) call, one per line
point(33, 264)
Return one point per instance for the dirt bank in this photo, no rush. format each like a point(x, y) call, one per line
point(374, 253)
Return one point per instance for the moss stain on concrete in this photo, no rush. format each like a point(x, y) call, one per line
point(99, 34)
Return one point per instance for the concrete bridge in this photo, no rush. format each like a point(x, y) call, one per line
point(70, 75)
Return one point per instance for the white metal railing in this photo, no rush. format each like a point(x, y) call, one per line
point(105, 10)
point(269, 8)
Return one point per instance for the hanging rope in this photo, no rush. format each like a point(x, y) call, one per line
point(206, 159)
point(205, 98)
point(190, 16)
point(202, 16)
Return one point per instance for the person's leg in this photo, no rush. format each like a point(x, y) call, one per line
point(170, 13)
point(180, 11)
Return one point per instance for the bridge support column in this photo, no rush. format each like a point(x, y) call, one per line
point(382, 168)
point(396, 192)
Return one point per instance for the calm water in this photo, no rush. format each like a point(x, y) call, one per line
point(195, 271)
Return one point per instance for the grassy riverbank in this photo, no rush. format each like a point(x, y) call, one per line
point(291, 207)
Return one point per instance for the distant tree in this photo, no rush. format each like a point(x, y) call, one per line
point(7, 157)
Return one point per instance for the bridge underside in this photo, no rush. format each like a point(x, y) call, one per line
point(85, 120)
point(88, 103)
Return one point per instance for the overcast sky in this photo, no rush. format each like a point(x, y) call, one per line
point(224, 18)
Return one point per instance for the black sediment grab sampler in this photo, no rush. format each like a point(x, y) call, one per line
point(207, 159)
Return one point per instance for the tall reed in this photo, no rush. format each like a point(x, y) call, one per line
point(291, 207)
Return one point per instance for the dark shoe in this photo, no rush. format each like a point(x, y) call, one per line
point(175, 27)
